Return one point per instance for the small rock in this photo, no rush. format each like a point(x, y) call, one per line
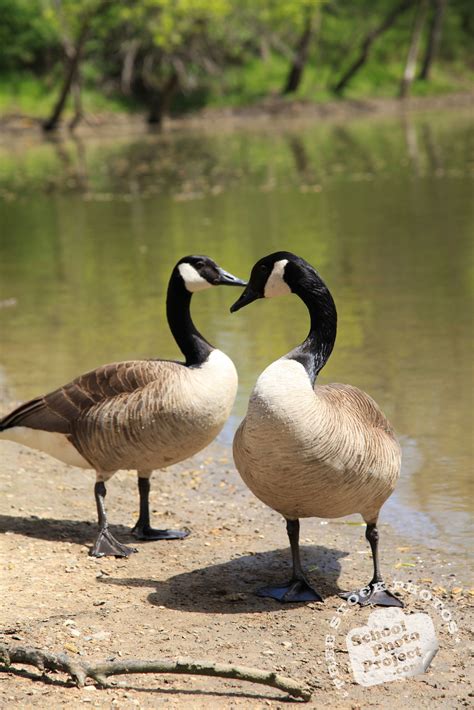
point(71, 647)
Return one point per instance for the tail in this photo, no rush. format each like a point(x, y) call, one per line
point(20, 415)
point(36, 414)
point(3, 428)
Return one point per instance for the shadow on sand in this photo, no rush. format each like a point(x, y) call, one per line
point(80, 532)
point(225, 588)
point(43, 678)
point(229, 587)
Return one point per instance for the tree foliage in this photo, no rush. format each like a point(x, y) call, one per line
point(160, 53)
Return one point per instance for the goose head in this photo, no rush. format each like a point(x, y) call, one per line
point(275, 275)
point(201, 272)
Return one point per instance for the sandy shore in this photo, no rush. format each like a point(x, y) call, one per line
point(195, 597)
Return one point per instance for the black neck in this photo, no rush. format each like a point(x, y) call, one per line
point(194, 347)
point(314, 352)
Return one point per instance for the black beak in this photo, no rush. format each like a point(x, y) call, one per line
point(226, 279)
point(245, 298)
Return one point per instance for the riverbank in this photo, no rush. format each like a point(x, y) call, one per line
point(195, 598)
point(275, 110)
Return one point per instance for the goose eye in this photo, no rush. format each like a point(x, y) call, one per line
point(263, 268)
point(199, 264)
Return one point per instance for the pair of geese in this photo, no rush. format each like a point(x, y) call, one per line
point(304, 450)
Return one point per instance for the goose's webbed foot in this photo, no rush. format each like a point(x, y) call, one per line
point(142, 529)
point(374, 594)
point(107, 545)
point(147, 533)
point(296, 590)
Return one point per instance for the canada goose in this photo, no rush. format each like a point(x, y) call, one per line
point(139, 414)
point(308, 450)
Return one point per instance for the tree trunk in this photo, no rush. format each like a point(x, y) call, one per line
point(368, 42)
point(73, 63)
point(77, 98)
point(73, 54)
point(128, 66)
point(434, 38)
point(161, 102)
point(410, 66)
point(264, 49)
point(301, 53)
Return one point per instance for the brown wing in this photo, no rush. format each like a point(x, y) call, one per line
point(58, 410)
point(358, 404)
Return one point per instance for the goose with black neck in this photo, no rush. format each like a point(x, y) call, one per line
point(138, 414)
point(309, 450)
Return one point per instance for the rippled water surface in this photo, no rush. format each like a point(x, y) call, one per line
point(89, 231)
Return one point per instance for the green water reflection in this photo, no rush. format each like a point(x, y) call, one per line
point(90, 231)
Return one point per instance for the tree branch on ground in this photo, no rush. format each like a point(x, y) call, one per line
point(79, 671)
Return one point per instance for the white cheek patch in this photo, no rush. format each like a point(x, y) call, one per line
point(192, 279)
point(276, 285)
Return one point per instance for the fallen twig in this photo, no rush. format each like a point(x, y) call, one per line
point(79, 671)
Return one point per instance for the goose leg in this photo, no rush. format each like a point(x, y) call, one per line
point(105, 543)
point(142, 529)
point(375, 592)
point(298, 588)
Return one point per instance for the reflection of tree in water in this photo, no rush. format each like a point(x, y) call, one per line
point(340, 150)
point(411, 140)
point(164, 164)
point(300, 156)
point(190, 165)
point(423, 147)
point(355, 150)
point(432, 148)
point(72, 155)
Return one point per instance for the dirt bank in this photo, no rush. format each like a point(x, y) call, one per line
point(195, 597)
point(274, 110)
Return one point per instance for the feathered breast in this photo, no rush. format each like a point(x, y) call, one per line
point(325, 452)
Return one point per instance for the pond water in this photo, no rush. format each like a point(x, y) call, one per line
point(89, 232)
